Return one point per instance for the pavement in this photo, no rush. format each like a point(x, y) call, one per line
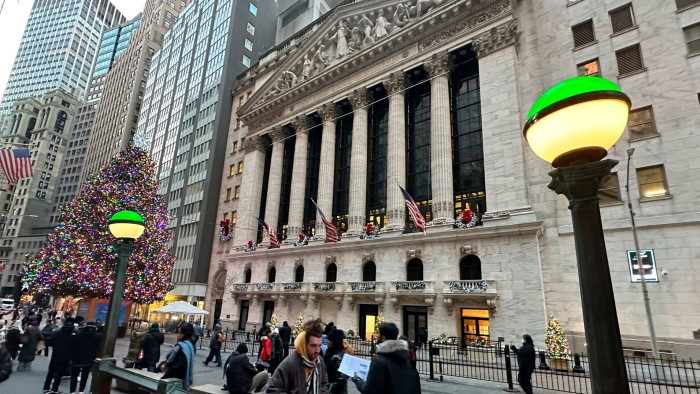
point(32, 381)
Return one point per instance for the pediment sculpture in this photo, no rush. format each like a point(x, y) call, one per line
point(348, 36)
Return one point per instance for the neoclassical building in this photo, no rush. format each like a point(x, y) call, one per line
point(431, 95)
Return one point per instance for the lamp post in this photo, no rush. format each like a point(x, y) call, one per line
point(126, 227)
point(572, 125)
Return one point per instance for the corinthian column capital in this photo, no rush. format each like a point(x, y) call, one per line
point(301, 124)
point(396, 82)
point(438, 64)
point(328, 112)
point(278, 134)
point(359, 98)
point(253, 143)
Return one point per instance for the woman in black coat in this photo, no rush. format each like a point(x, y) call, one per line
point(13, 338)
point(337, 382)
point(526, 363)
point(150, 344)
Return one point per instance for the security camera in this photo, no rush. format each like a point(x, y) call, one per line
point(664, 272)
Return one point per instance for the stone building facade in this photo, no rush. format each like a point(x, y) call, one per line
point(432, 96)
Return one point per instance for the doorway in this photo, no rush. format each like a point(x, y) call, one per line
point(368, 317)
point(414, 318)
point(268, 310)
point(475, 326)
point(243, 316)
point(217, 310)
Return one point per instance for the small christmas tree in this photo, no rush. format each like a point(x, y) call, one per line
point(557, 344)
point(378, 321)
point(299, 325)
point(273, 322)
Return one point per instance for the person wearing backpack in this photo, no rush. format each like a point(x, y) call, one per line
point(47, 334)
point(217, 338)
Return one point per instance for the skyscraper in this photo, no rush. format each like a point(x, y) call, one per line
point(186, 116)
point(120, 104)
point(114, 42)
point(58, 48)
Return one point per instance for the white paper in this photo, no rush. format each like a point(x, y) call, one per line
point(352, 365)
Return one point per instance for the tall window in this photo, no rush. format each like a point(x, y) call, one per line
point(418, 149)
point(468, 153)
point(652, 182)
point(470, 268)
point(331, 272)
point(369, 272)
point(641, 123)
point(609, 191)
point(313, 160)
point(376, 165)
point(414, 270)
point(263, 192)
point(299, 274)
point(341, 184)
point(285, 189)
point(248, 275)
point(271, 275)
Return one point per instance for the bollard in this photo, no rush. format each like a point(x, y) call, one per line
point(543, 362)
point(431, 352)
point(577, 364)
point(509, 369)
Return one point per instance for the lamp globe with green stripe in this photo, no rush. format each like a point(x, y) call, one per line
point(127, 226)
point(577, 120)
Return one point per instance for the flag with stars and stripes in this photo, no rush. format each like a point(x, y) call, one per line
point(331, 231)
point(16, 164)
point(274, 243)
point(418, 219)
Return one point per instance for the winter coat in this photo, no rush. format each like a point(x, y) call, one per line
point(30, 341)
point(151, 347)
point(214, 344)
point(390, 371)
point(47, 333)
point(132, 357)
point(62, 343)
point(5, 363)
point(239, 373)
point(336, 379)
point(286, 334)
point(12, 341)
point(265, 349)
point(289, 377)
point(177, 365)
point(276, 349)
point(526, 355)
point(85, 346)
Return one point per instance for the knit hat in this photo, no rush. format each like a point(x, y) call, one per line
point(155, 327)
point(143, 326)
point(242, 348)
point(336, 336)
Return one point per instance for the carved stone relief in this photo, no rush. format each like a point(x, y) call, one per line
point(253, 143)
point(439, 64)
point(497, 38)
point(367, 257)
point(278, 134)
point(412, 253)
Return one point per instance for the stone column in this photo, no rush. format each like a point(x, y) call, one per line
point(358, 164)
point(251, 189)
point(296, 197)
point(326, 171)
point(438, 67)
point(274, 182)
point(501, 115)
point(396, 151)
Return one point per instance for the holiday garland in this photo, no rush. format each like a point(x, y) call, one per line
point(250, 246)
point(302, 239)
point(225, 230)
point(370, 232)
point(466, 219)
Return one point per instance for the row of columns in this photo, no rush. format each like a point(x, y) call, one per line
point(438, 68)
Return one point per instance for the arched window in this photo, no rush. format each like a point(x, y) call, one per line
point(271, 275)
point(414, 270)
point(369, 272)
point(299, 274)
point(248, 275)
point(470, 268)
point(331, 273)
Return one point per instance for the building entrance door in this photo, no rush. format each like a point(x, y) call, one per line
point(217, 310)
point(475, 326)
point(414, 318)
point(268, 310)
point(243, 317)
point(368, 316)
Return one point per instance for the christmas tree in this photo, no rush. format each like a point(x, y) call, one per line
point(378, 322)
point(273, 322)
point(557, 344)
point(78, 259)
point(298, 325)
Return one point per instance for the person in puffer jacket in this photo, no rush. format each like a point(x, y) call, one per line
point(85, 347)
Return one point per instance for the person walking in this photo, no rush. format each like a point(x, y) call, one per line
point(265, 355)
point(47, 334)
point(30, 343)
point(304, 370)
point(526, 363)
point(390, 371)
point(13, 338)
point(217, 338)
point(276, 350)
point(197, 333)
point(133, 359)
point(239, 371)
point(179, 362)
point(286, 337)
point(85, 347)
point(337, 382)
point(61, 341)
point(150, 347)
point(422, 340)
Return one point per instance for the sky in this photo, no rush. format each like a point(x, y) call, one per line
point(13, 18)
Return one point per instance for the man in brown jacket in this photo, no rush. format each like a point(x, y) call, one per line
point(303, 371)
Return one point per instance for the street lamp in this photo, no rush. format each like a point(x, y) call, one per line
point(126, 226)
point(572, 125)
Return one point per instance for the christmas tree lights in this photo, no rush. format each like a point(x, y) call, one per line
point(78, 259)
point(557, 344)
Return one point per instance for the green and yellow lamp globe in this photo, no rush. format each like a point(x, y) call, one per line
point(126, 225)
point(577, 121)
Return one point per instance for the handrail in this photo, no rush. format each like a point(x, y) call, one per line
point(139, 378)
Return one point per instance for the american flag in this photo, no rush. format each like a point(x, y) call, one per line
point(331, 231)
point(418, 219)
point(16, 164)
point(274, 243)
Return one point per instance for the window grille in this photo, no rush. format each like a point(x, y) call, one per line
point(583, 34)
point(622, 19)
point(629, 60)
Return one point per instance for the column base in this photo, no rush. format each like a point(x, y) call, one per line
point(352, 233)
point(441, 225)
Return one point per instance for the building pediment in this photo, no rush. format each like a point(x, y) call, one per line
point(356, 35)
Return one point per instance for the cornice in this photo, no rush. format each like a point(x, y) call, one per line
point(441, 24)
